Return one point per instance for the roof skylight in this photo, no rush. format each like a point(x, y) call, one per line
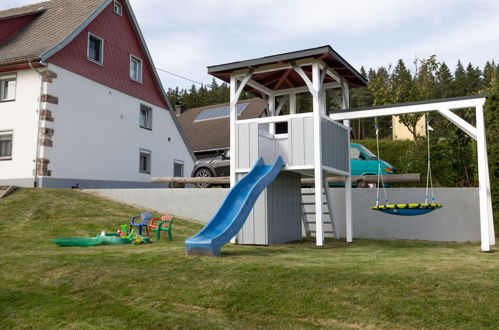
point(219, 112)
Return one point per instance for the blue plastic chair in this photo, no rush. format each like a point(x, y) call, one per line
point(146, 216)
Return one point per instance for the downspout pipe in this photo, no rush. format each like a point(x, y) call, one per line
point(37, 154)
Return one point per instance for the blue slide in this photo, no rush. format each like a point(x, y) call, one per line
point(236, 207)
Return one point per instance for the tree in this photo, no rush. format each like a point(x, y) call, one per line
point(491, 109)
point(490, 75)
point(401, 83)
point(379, 87)
point(359, 98)
point(444, 81)
point(459, 88)
point(424, 88)
point(473, 79)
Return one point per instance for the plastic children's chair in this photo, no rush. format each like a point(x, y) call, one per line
point(145, 218)
point(166, 226)
point(154, 223)
point(124, 229)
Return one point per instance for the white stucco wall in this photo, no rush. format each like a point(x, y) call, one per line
point(21, 116)
point(97, 134)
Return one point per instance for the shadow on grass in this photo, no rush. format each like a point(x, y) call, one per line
point(288, 248)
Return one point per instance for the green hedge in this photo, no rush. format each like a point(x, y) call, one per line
point(402, 154)
point(452, 166)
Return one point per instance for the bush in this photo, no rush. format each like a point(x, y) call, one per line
point(447, 161)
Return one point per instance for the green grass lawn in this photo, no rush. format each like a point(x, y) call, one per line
point(370, 283)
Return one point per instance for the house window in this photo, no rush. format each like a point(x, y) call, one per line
point(145, 161)
point(145, 118)
point(7, 88)
point(118, 8)
point(95, 52)
point(135, 68)
point(6, 145)
point(178, 168)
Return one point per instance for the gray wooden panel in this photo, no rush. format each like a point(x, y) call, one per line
point(242, 146)
point(308, 129)
point(284, 210)
point(335, 149)
point(296, 142)
point(253, 144)
point(254, 230)
point(276, 216)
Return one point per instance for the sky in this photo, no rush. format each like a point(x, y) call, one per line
point(184, 37)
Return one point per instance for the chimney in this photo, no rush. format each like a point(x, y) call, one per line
point(179, 108)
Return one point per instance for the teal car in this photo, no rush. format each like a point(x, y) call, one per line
point(364, 162)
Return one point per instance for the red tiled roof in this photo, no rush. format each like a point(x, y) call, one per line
point(55, 21)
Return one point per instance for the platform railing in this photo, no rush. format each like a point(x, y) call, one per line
point(258, 138)
point(335, 146)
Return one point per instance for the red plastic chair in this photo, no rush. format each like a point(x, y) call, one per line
point(158, 220)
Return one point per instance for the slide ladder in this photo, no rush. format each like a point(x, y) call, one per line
point(234, 211)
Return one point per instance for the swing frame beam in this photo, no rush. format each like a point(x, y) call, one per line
point(445, 107)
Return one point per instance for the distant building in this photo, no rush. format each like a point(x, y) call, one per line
point(81, 103)
point(207, 128)
point(400, 132)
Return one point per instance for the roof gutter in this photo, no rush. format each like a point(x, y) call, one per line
point(17, 61)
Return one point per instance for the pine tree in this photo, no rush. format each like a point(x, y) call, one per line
point(444, 81)
point(401, 83)
point(490, 74)
point(360, 97)
point(379, 87)
point(459, 88)
point(473, 79)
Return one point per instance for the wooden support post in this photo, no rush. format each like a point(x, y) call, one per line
point(233, 117)
point(292, 103)
point(482, 180)
point(272, 113)
point(348, 179)
point(492, 235)
point(316, 90)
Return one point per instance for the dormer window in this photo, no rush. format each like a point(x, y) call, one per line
point(95, 51)
point(118, 8)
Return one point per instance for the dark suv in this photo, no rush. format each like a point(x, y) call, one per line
point(210, 167)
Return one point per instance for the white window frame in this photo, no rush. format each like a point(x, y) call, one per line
point(11, 134)
point(148, 124)
point(138, 60)
point(149, 164)
point(181, 163)
point(101, 62)
point(119, 5)
point(7, 77)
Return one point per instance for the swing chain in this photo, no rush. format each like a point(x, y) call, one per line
point(429, 179)
point(380, 176)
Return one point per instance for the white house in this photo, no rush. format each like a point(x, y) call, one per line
point(80, 100)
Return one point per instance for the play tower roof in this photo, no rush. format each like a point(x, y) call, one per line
point(275, 73)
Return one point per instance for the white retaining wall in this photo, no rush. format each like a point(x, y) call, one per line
point(457, 221)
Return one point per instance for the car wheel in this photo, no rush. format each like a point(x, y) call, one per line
point(203, 173)
point(362, 184)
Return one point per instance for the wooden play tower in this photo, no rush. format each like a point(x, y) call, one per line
point(311, 143)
